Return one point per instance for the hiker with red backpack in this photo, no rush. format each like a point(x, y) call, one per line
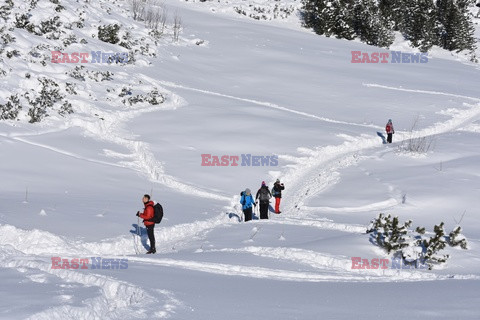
point(247, 202)
point(148, 220)
point(264, 195)
point(390, 131)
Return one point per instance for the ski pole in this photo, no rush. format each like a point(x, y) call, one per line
point(138, 235)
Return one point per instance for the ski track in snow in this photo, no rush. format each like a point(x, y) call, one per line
point(264, 104)
point(341, 272)
point(369, 207)
point(374, 85)
point(313, 172)
point(318, 169)
point(116, 298)
point(340, 266)
point(330, 158)
point(111, 129)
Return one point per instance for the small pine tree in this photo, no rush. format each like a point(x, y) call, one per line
point(396, 239)
point(10, 110)
point(456, 238)
point(48, 95)
point(434, 245)
point(109, 33)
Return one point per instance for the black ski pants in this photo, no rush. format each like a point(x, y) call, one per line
point(389, 137)
point(264, 210)
point(248, 214)
point(151, 236)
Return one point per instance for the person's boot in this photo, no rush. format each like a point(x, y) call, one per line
point(151, 251)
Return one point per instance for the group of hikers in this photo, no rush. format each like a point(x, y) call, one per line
point(262, 199)
point(263, 195)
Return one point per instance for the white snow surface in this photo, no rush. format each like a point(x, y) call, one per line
point(70, 187)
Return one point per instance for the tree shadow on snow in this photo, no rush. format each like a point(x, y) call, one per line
point(138, 230)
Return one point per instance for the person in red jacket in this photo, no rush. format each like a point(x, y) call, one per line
point(390, 131)
point(147, 216)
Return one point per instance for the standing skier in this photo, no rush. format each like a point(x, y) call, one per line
point(390, 130)
point(264, 195)
point(147, 216)
point(277, 193)
point(247, 202)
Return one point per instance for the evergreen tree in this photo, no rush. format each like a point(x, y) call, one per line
point(419, 23)
point(446, 23)
point(465, 29)
point(368, 26)
point(391, 13)
point(455, 29)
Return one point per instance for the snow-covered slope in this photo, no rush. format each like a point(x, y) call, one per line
point(71, 185)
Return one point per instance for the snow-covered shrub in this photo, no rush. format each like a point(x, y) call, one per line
point(22, 21)
point(154, 97)
point(109, 33)
point(77, 73)
point(388, 233)
point(5, 37)
point(48, 26)
point(413, 247)
point(66, 108)
point(43, 100)
point(100, 75)
point(69, 40)
point(9, 111)
point(33, 4)
point(125, 91)
point(456, 238)
point(415, 143)
point(13, 53)
point(434, 244)
point(70, 88)
point(6, 9)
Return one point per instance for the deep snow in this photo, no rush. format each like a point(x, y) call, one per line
point(70, 187)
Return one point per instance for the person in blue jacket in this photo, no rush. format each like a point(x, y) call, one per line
point(247, 202)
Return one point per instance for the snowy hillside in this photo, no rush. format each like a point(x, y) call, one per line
point(219, 83)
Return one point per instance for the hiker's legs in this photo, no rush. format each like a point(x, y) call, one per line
point(248, 214)
point(151, 236)
point(277, 205)
point(263, 210)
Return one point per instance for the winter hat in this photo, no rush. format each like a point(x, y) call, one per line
point(389, 120)
point(247, 191)
point(278, 180)
point(263, 183)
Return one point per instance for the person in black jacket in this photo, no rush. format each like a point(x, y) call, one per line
point(264, 195)
point(277, 193)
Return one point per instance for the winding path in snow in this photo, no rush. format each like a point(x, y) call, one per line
point(311, 174)
point(116, 297)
